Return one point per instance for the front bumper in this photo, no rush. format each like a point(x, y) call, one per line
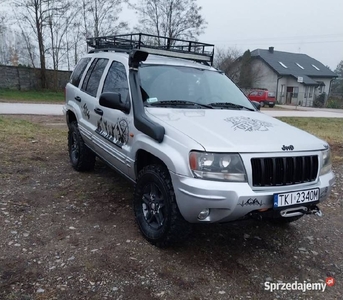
point(230, 201)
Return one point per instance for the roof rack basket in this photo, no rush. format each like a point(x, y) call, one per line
point(154, 44)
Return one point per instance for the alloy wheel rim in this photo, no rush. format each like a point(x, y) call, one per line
point(153, 206)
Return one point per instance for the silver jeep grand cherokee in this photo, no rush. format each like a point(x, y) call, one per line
point(196, 148)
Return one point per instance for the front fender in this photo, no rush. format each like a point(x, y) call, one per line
point(174, 154)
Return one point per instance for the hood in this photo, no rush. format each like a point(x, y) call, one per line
point(240, 131)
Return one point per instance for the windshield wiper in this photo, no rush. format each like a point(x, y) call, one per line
point(230, 105)
point(179, 103)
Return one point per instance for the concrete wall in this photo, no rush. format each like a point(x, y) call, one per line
point(21, 78)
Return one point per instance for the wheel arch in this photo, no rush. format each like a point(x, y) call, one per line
point(144, 158)
point(70, 117)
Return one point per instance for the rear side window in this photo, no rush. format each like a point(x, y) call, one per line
point(78, 71)
point(92, 79)
point(116, 80)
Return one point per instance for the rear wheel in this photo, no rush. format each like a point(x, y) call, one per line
point(156, 210)
point(271, 105)
point(81, 157)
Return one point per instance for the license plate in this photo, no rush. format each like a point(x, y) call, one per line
point(296, 198)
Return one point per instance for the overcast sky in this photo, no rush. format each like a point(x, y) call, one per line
point(312, 27)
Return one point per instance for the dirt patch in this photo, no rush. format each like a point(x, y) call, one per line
point(68, 235)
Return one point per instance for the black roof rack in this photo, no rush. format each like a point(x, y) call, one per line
point(154, 44)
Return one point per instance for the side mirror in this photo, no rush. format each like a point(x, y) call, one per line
point(113, 100)
point(256, 104)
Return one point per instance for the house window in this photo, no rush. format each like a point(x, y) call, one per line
point(282, 64)
point(295, 92)
point(314, 66)
point(306, 92)
point(300, 66)
point(310, 94)
point(282, 90)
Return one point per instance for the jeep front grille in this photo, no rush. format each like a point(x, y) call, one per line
point(276, 171)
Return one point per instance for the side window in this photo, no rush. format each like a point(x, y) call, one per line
point(78, 71)
point(116, 81)
point(91, 82)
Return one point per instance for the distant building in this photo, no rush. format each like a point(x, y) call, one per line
point(294, 77)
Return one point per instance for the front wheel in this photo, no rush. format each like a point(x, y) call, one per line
point(81, 157)
point(262, 104)
point(155, 208)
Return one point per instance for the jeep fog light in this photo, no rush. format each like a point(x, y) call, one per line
point(204, 214)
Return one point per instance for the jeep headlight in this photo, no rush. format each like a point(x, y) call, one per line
point(217, 166)
point(326, 158)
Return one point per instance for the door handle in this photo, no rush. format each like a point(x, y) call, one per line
point(77, 98)
point(98, 111)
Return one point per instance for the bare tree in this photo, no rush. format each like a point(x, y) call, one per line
point(12, 49)
point(101, 17)
point(34, 13)
point(227, 60)
point(337, 84)
point(29, 49)
point(3, 41)
point(180, 19)
point(61, 15)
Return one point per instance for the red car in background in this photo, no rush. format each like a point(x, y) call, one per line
point(264, 97)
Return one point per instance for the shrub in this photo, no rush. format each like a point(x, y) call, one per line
point(320, 100)
point(334, 103)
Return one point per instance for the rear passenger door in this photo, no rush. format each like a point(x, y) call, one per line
point(88, 98)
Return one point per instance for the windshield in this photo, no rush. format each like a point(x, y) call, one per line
point(204, 87)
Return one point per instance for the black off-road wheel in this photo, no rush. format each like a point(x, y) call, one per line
point(156, 210)
point(81, 157)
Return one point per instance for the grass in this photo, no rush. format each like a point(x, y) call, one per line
point(328, 129)
point(7, 95)
point(22, 135)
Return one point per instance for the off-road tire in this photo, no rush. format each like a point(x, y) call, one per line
point(81, 157)
point(154, 184)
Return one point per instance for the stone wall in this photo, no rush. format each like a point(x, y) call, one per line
point(22, 78)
